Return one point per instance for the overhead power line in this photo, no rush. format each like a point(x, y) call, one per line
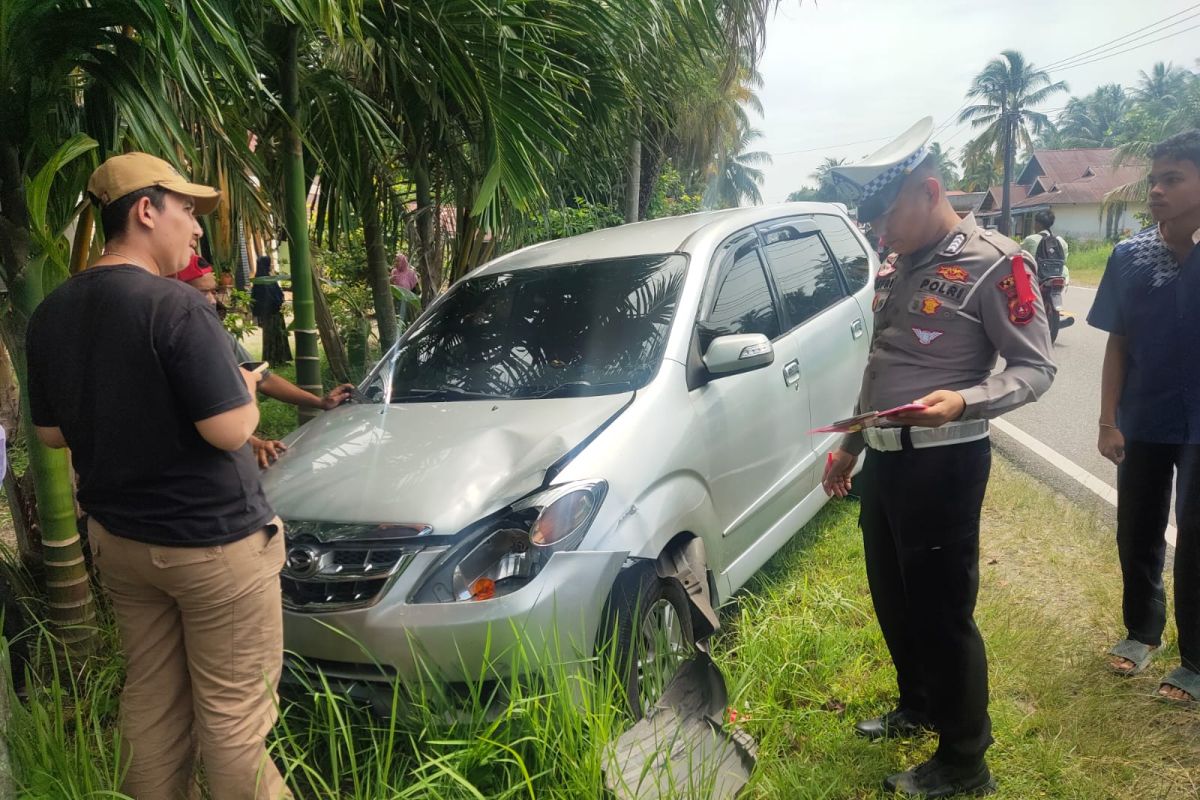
point(1122, 40)
point(1135, 47)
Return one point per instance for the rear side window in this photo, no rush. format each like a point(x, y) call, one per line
point(847, 250)
point(808, 281)
point(743, 301)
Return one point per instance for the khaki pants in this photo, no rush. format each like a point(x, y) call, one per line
point(202, 629)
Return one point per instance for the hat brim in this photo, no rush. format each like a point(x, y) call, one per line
point(878, 203)
point(206, 198)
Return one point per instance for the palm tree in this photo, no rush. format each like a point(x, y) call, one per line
point(1097, 120)
point(1162, 86)
point(1009, 87)
point(825, 169)
point(981, 168)
point(735, 175)
point(1153, 127)
point(945, 163)
point(827, 190)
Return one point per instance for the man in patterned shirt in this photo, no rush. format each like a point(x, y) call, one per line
point(1149, 302)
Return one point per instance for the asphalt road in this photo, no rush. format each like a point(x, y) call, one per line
point(1065, 418)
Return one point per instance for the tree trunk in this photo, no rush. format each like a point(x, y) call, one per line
point(335, 350)
point(429, 263)
point(308, 359)
point(653, 157)
point(1006, 186)
point(633, 179)
point(70, 603)
point(377, 267)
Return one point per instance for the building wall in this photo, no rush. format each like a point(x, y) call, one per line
point(1086, 222)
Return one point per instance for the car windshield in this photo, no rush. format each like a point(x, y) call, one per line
point(597, 327)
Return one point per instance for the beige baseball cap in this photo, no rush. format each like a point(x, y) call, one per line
point(120, 175)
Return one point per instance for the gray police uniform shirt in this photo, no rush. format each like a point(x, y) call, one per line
point(941, 318)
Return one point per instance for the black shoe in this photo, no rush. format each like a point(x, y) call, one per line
point(898, 724)
point(937, 779)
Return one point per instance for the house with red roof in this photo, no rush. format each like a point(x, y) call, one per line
point(1073, 184)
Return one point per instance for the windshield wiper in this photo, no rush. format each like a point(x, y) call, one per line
point(444, 393)
point(575, 389)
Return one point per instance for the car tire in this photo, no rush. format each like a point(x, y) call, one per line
point(647, 632)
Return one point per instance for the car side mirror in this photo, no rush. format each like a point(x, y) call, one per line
point(739, 352)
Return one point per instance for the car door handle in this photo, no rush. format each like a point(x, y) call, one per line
point(857, 329)
point(791, 373)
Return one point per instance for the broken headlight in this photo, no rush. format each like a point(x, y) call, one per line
point(505, 551)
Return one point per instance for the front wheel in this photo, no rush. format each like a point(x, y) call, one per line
point(646, 635)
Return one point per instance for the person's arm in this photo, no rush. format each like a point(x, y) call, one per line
point(215, 394)
point(1026, 349)
point(52, 437)
point(1108, 315)
point(280, 388)
point(230, 430)
point(1111, 442)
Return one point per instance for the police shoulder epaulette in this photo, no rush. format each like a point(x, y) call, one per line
point(997, 241)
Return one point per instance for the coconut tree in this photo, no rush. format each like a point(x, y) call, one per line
point(1008, 89)
point(1163, 86)
point(945, 163)
point(736, 176)
point(1097, 120)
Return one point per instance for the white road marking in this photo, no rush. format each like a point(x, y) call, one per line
point(1069, 467)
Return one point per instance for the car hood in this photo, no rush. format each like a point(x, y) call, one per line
point(440, 464)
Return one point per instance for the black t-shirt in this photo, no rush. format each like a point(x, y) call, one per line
point(125, 363)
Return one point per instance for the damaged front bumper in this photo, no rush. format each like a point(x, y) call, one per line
point(553, 620)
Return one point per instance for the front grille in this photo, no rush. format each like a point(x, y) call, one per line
point(340, 574)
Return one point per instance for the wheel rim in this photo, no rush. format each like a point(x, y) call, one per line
point(663, 649)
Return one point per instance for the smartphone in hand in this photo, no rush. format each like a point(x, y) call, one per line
point(256, 367)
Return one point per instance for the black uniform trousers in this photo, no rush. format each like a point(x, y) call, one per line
point(920, 521)
point(1143, 509)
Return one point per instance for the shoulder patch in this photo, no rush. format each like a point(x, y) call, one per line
point(955, 246)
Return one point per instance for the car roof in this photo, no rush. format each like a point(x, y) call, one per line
point(668, 235)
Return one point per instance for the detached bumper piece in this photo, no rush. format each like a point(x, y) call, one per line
point(682, 747)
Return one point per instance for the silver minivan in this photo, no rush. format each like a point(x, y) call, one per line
point(593, 438)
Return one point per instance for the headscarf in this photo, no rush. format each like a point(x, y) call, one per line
point(266, 298)
point(402, 274)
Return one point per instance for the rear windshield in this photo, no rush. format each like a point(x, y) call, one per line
point(597, 327)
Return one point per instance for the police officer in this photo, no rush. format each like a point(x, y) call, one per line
point(954, 298)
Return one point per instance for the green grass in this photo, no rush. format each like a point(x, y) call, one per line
point(1087, 262)
point(804, 659)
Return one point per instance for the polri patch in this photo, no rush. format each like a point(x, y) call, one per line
point(948, 289)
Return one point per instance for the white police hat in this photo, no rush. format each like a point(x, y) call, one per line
point(876, 180)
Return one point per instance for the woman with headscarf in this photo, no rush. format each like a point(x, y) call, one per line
point(267, 306)
point(405, 277)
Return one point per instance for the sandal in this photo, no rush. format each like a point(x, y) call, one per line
point(1137, 653)
point(1185, 680)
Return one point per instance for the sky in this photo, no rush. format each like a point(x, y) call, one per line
point(841, 72)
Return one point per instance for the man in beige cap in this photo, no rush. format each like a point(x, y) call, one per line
point(135, 375)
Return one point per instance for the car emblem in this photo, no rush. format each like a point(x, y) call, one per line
point(303, 561)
